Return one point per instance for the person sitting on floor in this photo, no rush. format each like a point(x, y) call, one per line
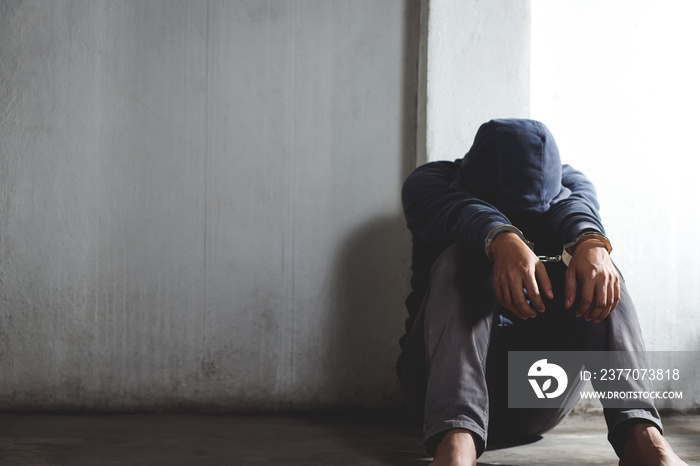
point(479, 289)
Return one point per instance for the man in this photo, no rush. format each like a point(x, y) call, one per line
point(479, 290)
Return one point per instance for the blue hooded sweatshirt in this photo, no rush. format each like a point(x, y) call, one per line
point(512, 175)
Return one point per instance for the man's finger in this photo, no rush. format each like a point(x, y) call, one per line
point(601, 304)
point(587, 291)
point(617, 289)
point(543, 280)
point(533, 292)
point(517, 296)
point(505, 296)
point(611, 300)
point(613, 296)
point(569, 288)
point(507, 302)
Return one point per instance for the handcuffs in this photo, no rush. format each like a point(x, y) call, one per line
point(564, 257)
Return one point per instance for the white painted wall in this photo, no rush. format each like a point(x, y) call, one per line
point(199, 202)
point(617, 83)
point(478, 68)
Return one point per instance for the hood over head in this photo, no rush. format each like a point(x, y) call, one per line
point(515, 166)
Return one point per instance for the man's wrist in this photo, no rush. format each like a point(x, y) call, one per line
point(588, 236)
point(500, 240)
point(593, 242)
point(495, 232)
point(591, 237)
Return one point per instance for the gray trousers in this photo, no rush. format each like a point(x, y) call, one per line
point(454, 360)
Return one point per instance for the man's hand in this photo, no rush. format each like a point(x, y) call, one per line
point(516, 267)
point(591, 266)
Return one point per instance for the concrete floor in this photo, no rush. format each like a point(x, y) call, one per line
point(175, 440)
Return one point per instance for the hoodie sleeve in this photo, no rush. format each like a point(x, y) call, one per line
point(579, 212)
point(440, 214)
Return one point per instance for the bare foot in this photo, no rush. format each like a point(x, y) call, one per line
point(645, 446)
point(457, 448)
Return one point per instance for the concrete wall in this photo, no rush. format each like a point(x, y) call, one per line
point(199, 202)
point(478, 68)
